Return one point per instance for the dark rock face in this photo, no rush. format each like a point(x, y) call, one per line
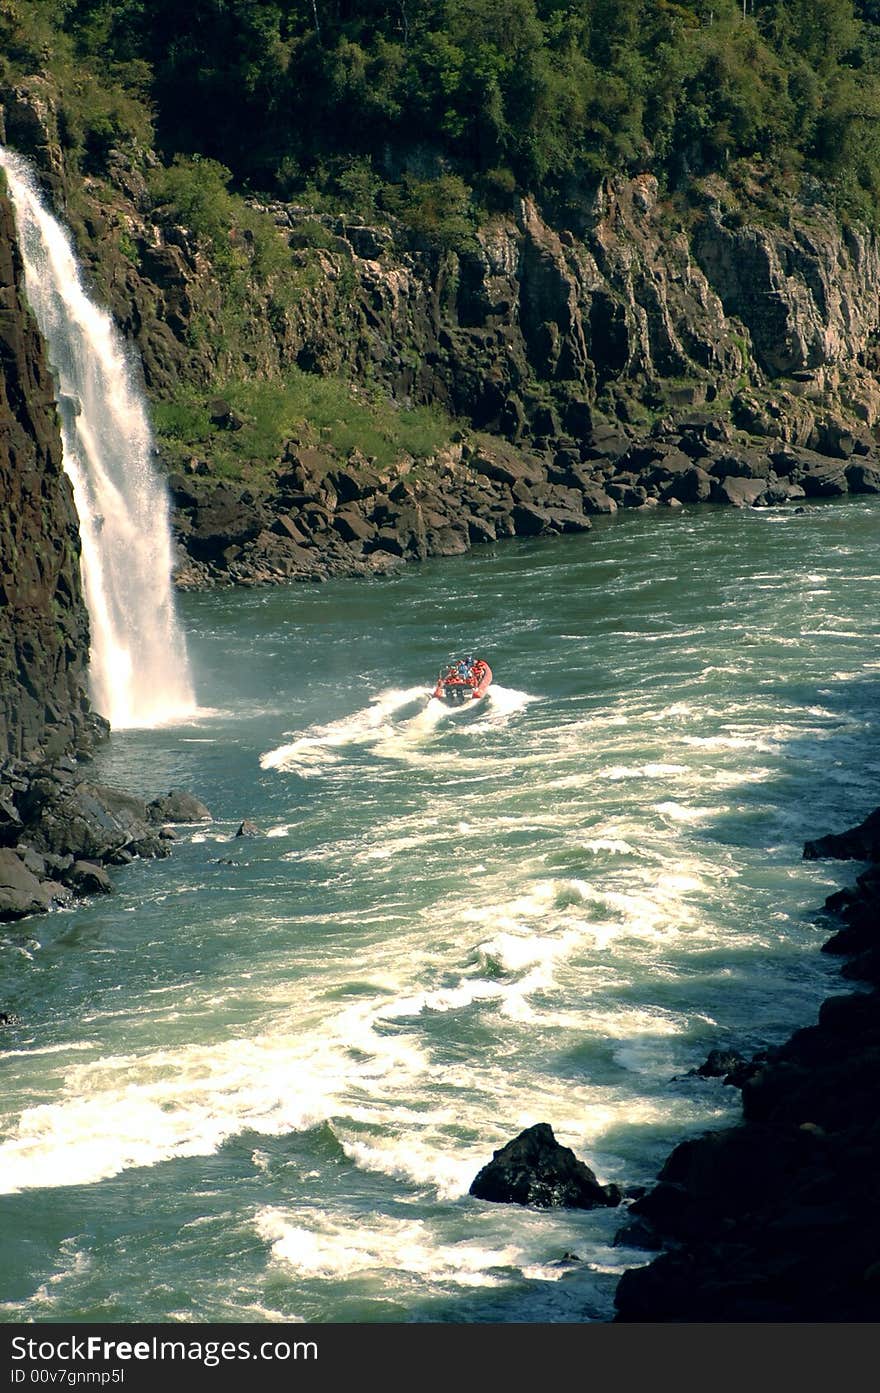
point(860, 843)
point(57, 830)
point(778, 1218)
point(44, 630)
point(177, 806)
point(62, 830)
point(22, 892)
point(534, 1169)
point(248, 829)
point(719, 1064)
point(88, 820)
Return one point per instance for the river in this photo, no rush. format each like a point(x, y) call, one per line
point(255, 1083)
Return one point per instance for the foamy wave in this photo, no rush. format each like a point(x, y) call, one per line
point(74, 1265)
point(319, 744)
point(642, 771)
point(395, 725)
point(677, 812)
point(501, 704)
point(125, 1111)
point(443, 999)
point(335, 1249)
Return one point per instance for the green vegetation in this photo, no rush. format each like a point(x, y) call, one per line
point(439, 109)
point(242, 239)
point(312, 410)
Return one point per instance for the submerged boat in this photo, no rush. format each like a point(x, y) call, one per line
point(465, 680)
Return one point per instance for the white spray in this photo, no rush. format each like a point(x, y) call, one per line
point(139, 671)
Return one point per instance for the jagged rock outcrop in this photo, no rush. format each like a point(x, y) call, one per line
point(860, 843)
point(808, 292)
point(537, 331)
point(534, 1169)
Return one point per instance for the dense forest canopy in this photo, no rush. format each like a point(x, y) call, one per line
point(375, 100)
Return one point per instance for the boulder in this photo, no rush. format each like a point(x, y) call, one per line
point(863, 478)
point(597, 500)
point(607, 442)
point(718, 1064)
point(740, 464)
point(777, 492)
point(248, 829)
point(90, 821)
point(738, 492)
point(21, 893)
point(223, 415)
point(285, 526)
point(672, 466)
point(824, 479)
point(626, 495)
point(453, 540)
point(480, 530)
point(177, 806)
point(506, 468)
point(388, 540)
point(692, 485)
point(223, 518)
point(534, 1169)
point(530, 521)
point(566, 520)
point(353, 527)
point(351, 484)
point(88, 878)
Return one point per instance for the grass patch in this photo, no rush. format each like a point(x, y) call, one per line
point(310, 409)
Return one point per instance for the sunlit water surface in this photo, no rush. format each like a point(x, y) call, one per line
point(255, 1083)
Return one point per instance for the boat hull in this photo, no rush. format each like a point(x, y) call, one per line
point(455, 690)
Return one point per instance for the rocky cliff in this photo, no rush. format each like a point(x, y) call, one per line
point(640, 360)
point(719, 347)
point(57, 830)
point(44, 630)
point(530, 331)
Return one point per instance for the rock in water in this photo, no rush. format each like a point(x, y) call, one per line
point(534, 1169)
point(718, 1064)
point(249, 829)
point(860, 843)
point(178, 806)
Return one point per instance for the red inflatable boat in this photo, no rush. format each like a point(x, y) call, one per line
point(466, 680)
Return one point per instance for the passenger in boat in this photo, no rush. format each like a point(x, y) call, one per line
point(465, 669)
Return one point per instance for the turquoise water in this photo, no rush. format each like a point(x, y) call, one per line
point(256, 1082)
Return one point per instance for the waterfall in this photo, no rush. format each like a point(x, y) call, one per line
point(138, 667)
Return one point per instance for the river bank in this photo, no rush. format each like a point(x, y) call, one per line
point(317, 516)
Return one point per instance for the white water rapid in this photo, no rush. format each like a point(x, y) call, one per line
point(139, 670)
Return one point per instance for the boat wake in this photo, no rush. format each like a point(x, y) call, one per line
point(394, 722)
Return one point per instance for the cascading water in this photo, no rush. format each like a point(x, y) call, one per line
point(139, 669)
